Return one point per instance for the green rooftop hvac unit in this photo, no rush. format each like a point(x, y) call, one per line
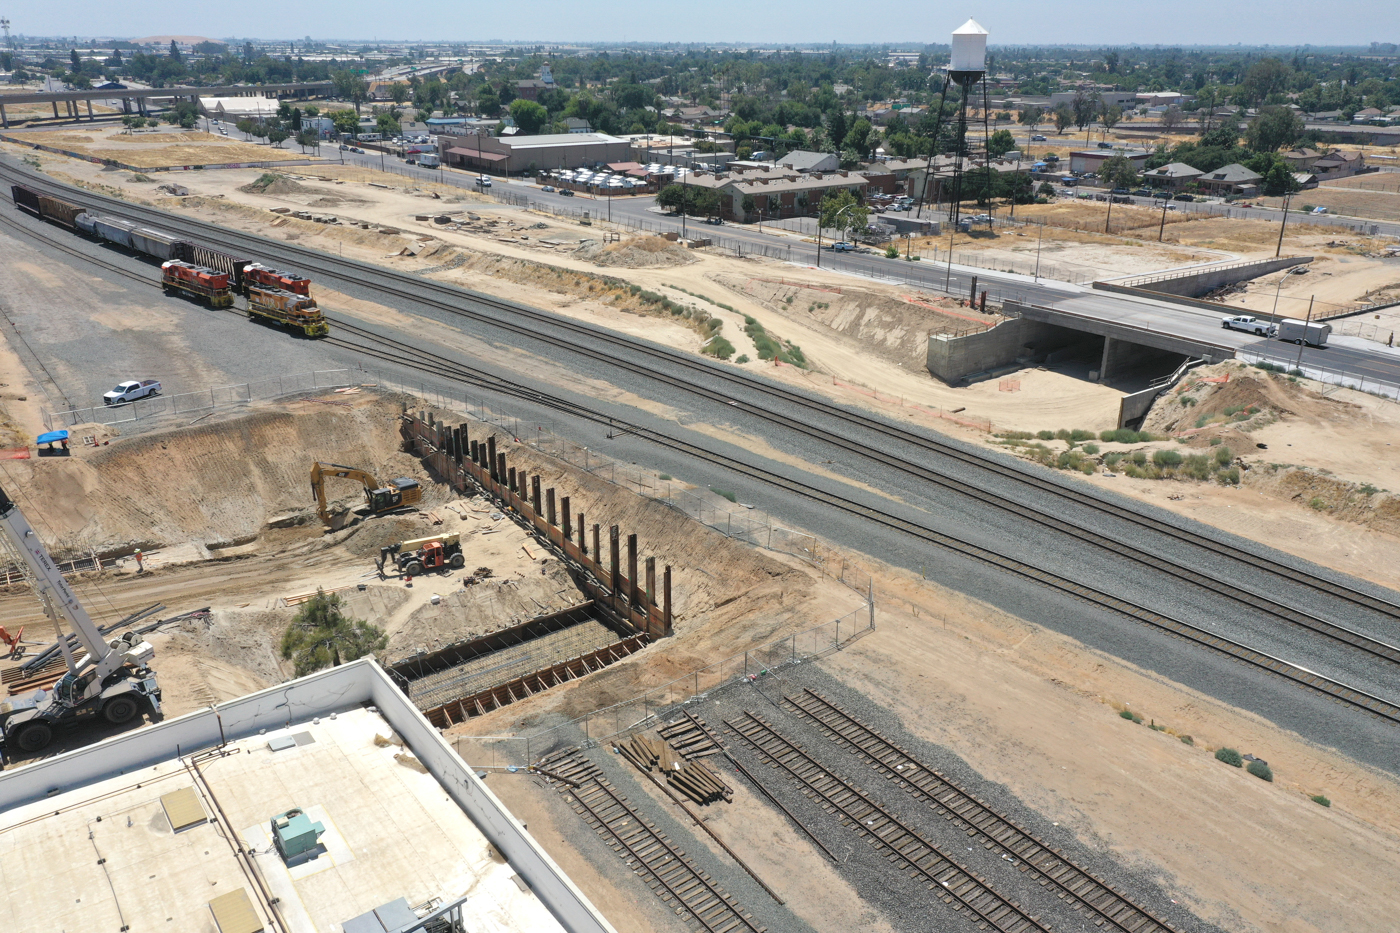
point(295, 834)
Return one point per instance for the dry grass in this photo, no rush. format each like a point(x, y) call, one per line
point(155, 150)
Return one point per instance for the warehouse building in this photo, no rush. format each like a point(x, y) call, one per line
point(519, 155)
point(324, 803)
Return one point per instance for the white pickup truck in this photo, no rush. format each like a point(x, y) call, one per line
point(1248, 323)
point(130, 391)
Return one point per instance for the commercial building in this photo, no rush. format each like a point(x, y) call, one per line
point(776, 192)
point(324, 803)
point(514, 155)
point(802, 160)
point(1091, 160)
point(238, 108)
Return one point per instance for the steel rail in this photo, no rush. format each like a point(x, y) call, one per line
point(970, 812)
point(408, 356)
point(907, 846)
point(413, 287)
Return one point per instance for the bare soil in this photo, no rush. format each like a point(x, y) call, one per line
point(165, 146)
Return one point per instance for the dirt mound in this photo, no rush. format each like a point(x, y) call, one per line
point(272, 183)
point(214, 485)
point(1246, 400)
point(1339, 499)
point(649, 252)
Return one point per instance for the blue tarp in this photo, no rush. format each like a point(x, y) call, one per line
point(52, 437)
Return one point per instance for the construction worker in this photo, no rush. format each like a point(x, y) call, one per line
point(139, 567)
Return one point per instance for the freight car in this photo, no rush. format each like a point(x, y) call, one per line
point(213, 259)
point(196, 281)
point(290, 310)
point(45, 207)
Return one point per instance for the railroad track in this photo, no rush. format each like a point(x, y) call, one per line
point(665, 867)
point(680, 371)
point(399, 353)
point(1041, 861)
point(902, 845)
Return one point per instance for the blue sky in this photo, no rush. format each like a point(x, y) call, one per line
point(1010, 22)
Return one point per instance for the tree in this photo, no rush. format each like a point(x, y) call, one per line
point(1000, 143)
point(275, 133)
point(115, 60)
point(748, 204)
point(346, 122)
point(399, 93)
point(1112, 117)
point(175, 52)
point(1064, 117)
point(1279, 180)
point(322, 635)
point(488, 102)
point(77, 62)
point(307, 139)
point(858, 137)
point(1118, 172)
point(529, 116)
point(387, 125)
point(1031, 116)
point(351, 87)
point(296, 119)
point(1274, 128)
point(1171, 118)
point(1085, 107)
point(843, 211)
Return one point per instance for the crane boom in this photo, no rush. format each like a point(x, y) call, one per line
point(113, 681)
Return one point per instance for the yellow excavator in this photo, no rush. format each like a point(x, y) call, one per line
point(401, 492)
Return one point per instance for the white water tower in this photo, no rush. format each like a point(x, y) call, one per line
point(969, 52)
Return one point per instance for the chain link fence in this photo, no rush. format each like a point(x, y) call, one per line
point(1309, 370)
point(160, 410)
point(646, 710)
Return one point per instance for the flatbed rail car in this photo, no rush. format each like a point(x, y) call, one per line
point(287, 309)
point(196, 281)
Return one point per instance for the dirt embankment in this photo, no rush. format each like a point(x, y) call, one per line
point(895, 329)
point(1326, 449)
point(215, 485)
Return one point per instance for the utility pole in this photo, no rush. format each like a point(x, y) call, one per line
point(1287, 200)
point(1037, 251)
point(1162, 229)
point(1303, 341)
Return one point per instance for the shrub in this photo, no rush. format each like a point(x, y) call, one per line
point(1199, 466)
point(1268, 367)
point(1078, 437)
point(1230, 477)
point(1188, 401)
point(665, 476)
point(1260, 770)
point(1368, 490)
point(728, 495)
point(1214, 441)
point(1230, 757)
point(1202, 421)
point(743, 358)
point(1187, 740)
point(891, 252)
point(1063, 435)
point(1111, 460)
point(1091, 448)
point(1166, 458)
point(1045, 435)
point(1295, 373)
point(719, 347)
point(1319, 799)
point(1017, 435)
point(1124, 436)
point(1317, 504)
point(1126, 714)
point(1223, 455)
point(1139, 457)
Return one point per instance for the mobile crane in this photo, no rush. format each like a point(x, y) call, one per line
point(399, 493)
point(113, 681)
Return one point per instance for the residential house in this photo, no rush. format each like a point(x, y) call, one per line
point(1230, 179)
point(1305, 180)
point(1369, 115)
point(1301, 160)
point(578, 125)
point(530, 89)
point(1173, 176)
point(1339, 165)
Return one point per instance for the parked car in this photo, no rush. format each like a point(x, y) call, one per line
point(1037, 138)
point(130, 391)
point(1183, 197)
point(714, 221)
point(344, 148)
point(565, 193)
point(1122, 199)
point(1162, 195)
point(1120, 190)
point(843, 247)
point(1142, 193)
point(1249, 324)
point(547, 188)
point(483, 182)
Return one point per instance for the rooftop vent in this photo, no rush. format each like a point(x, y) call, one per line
point(296, 837)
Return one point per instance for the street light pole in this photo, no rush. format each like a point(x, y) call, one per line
point(1287, 200)
point(1037, 251)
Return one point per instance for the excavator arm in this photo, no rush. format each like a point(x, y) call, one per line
point(319, 472)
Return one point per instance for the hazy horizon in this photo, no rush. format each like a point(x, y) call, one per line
point(1009, 22)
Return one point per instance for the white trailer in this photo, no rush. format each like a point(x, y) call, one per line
point(1304, 332)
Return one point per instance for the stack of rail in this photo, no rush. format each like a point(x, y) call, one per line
point(691, 778)
point(691, 738)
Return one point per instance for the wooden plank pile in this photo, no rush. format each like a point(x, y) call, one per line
point(690, 778)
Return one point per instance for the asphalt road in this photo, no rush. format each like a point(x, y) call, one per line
point(893, 492)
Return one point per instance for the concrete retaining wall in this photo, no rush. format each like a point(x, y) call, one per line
point(1207, 280)
point(953, 358)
